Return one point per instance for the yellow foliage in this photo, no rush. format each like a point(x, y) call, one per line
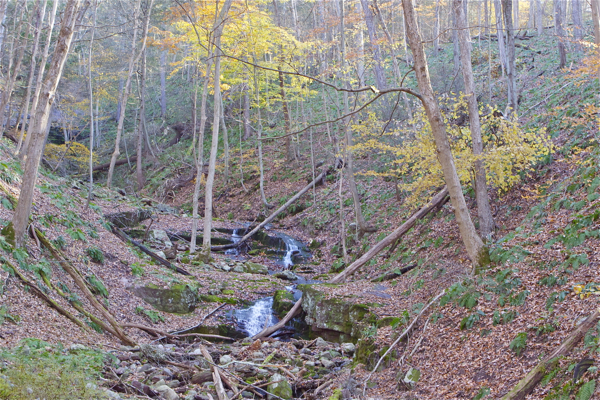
point(74, 153)
point(508, 151)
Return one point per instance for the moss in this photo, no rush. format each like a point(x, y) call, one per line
point(283, 301)
point(336, 395)
point(483, 261)
point(365, 353)
point(388, 321)
point(228, 291)
point(9, 233)
point(210, 298)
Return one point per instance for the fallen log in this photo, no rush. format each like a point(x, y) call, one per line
point(272, 329)
point(272, 216)
point(529, 382)
point(216, 374)
point(393, 275)
point(81, 283)
point(124, 237)
point(392, 237)
point(102, 167)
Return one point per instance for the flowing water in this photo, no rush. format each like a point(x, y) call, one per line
point(254, 319)
point(235, 238)
point(291, 249)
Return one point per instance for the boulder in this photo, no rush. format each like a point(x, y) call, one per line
point(283, 301)
point(161, 236)
point(178, 299)
point(166, 392)
point(334, 319)
point(280, 388)
point(254, 268)
point(286, 275)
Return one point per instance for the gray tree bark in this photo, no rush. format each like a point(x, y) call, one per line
point(486, 220)
point(208, 195)
point(124, 95)
point(40, 120)
point(374, 43)
point(577, 22)
point(139, 172)
point(560, 32)
point(91, 108)
point(163, 84)
point(475, 248)
point(511, 72)
point(539, 17)
point(596, 20)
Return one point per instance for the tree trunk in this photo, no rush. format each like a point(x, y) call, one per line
point(12, 77)
point(139, 172)
point(261, 171)
point(577, 23)
point(360, 219)
point(38, 85)
point(529, 382)
point(500, 34)
point(596, 20)
point(486, 18)
point(3, 4)
point(511, 71)
point(27, 98)
point(560, 33)
point(486, 220)
point(124, 95)
point(91, 108)
point(516, 23)
point(225, 144)
point(208, 196)
point(456, 54)
point(247, 128)
point(163, 84)
point(40, 121)
point(475, 247)
point(539, 17)
point(374, 42)
point(436, 27)
point(289, 149)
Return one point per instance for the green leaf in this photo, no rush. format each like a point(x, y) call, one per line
point(586, 391)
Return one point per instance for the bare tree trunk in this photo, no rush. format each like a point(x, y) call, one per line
point(577, 23)
point(27, 98)
point(560, 33)
point(40, 121)
point(12, 78)
point(91, 108)
point(456, 54)
point(511, 70)
point(475, 247)
point(596, 20)
point(124, 95)
point(374, 42)
point(225, 144)
point(360, 219)
point(486, 220)
point(516, 22)
point(208, 196)
point(500, 34)
point(486, 18)
point(3, 4)
point(436, 28)
point(539, 17)
point(261, 171)
point(163, 84)
point(247, 128)
point(139, 172)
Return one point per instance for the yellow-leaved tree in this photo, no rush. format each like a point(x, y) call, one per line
point(509, 150)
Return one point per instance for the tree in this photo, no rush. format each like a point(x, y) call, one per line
point(486, 220)
point(38, 126)
point(473, 243)
point(560, 32)
point(511, 69)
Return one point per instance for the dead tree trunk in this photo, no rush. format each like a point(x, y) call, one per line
point(392, 237)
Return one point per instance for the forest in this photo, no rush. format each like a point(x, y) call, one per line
point(299, 199)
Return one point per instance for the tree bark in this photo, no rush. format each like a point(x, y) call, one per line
point(560, 33)
point(486, 220)
point(208, 194)
point(374, 42)
point(577, 23)
point(529, 382)
point(511, 70)
point(539, 17)
point(475, 248)
point(596, 20)
point(91, 107)
point(22, 149)
point(436, 27)
point(392, 237)
point(163, 84)
point(124, 95)
point(139, 172)
point(39, 124)
point(500, 34)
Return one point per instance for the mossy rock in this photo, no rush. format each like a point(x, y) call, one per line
point(365, 353)
point(283, 301)
point(211, 298)
point(280, 388)
point(255, 268)
point(178, 299)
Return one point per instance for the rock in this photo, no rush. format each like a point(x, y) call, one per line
point(281, 388)
point(161, 236)
point(171, 253)
point(333, 318)
point(226, 268)
point(161, 254)
point(201, 377)
point(239, 269)
point(247, 395)
point(196, 352)
point(254, 268)
point(166, 392)
point(112, 395)
point(348, 348)
point(327, 363)
point(178, 299)
point(320, 342)
point(287, 275)
point(128, 219)
point(226, 359)
point(147, 368)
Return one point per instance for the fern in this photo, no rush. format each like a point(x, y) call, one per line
point(586, 391)
point(519, 343)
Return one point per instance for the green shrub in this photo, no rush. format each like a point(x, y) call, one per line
point(96, 255)
point(151, 314)
point(519, 343)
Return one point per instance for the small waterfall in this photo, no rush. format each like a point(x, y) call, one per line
point(291, 248)
point(254, 319)
point(235, 238)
